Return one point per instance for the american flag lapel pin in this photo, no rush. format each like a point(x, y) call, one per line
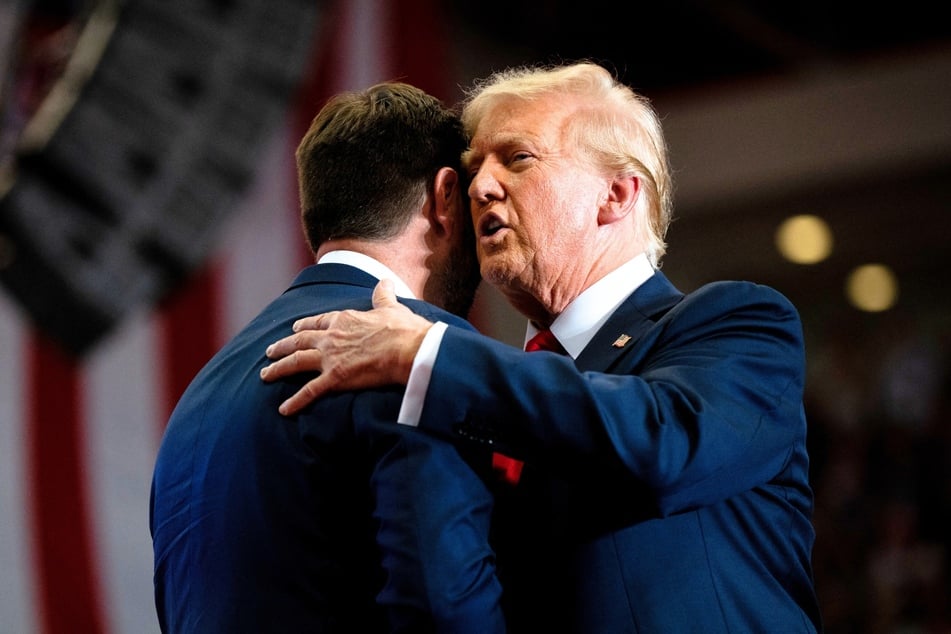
point(621, 341)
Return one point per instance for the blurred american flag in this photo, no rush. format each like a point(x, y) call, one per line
point(78, 436)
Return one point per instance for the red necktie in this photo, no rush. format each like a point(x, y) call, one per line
point(510, 469)
point(544, 340)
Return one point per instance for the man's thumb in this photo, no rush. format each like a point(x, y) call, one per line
point(384, 295)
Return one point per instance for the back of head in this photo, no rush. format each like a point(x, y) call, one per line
point(615, 127)
point(368, 159)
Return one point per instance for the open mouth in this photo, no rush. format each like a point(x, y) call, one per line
point(490, 225)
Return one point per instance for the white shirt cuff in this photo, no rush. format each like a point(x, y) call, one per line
point(411, 409)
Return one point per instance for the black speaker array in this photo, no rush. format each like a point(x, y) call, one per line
point(127, 174)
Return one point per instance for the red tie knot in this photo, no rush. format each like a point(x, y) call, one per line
point(544, 340)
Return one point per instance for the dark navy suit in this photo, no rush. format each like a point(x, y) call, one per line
point(666, 484)
point(335, 520)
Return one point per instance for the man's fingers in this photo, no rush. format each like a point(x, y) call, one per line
point(384, 295)
point(293, 363)
point(342, 347)
point(311, 391)
point(314, 322)
point(301, 341)
point(280, 348)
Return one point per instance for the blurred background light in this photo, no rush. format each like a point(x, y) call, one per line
point(804, 239)
point(872, 288)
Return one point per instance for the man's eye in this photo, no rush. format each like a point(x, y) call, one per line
point(520, 156)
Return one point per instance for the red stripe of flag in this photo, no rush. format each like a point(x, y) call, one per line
point(419, 45)
point(68, 590)
point(190, 332)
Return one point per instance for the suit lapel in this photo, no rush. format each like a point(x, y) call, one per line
point(633, 318)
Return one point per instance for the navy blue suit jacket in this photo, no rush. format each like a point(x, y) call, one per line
point(666, 484)
point(334, 520)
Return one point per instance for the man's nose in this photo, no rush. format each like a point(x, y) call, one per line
point(484, 186)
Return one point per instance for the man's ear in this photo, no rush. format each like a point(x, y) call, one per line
point(621, 198)
point(444, 211)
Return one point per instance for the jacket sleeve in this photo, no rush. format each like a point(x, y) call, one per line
point(706, 405)
point(432, 515)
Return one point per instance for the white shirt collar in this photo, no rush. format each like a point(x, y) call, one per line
point(583, 317)
point(368, 265)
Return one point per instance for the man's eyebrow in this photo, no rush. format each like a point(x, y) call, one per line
point(469, 156)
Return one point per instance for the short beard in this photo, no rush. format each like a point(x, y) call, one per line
point(458, 282)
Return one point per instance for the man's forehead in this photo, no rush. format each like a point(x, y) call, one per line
point(503, 137)
point(530, 122)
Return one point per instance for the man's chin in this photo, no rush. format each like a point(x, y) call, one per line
point(495, 271)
